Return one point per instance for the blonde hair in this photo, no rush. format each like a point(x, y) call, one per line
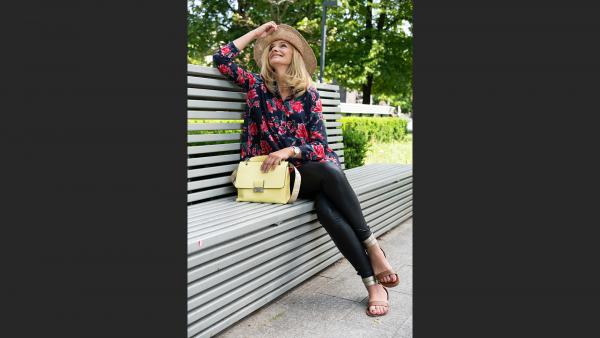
point(296, 77)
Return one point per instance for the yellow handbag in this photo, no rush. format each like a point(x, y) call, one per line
point(253, 185)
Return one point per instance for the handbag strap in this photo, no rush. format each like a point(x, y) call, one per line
point(295, 190)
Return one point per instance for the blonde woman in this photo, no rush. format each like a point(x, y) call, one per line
point(284, 120)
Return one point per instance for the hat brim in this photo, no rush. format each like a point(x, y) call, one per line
point(290, 34)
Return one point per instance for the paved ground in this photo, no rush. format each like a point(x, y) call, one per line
point(332, 303)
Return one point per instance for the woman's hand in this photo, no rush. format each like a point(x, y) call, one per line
point(265, 29)
point(275, 158)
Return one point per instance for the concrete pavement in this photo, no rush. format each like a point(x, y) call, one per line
point(332, 303)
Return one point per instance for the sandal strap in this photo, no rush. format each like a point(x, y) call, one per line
point(386, 273)
point(381, 302)
point(378, 303)
point(371, 280)
point(370, 241)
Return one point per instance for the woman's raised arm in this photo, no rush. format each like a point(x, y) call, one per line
point(223, 58)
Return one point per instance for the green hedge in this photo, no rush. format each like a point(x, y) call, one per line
point(360, 133)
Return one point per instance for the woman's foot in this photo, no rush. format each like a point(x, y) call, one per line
point(380, 263)
point(377, 293)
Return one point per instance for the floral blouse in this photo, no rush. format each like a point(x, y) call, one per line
point(284, 121)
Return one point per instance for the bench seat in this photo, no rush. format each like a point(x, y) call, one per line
point(242, 255)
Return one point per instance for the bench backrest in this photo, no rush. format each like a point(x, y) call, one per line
point(374, 110)
point(214, 144)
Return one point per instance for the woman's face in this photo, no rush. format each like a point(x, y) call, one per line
point(280, 53)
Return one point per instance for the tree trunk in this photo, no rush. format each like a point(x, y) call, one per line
point(366, 89)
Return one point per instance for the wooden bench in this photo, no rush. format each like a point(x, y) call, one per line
point(243, 255)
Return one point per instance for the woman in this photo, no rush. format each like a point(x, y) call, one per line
point(292, 128)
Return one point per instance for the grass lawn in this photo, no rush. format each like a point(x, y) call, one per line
point(394, 152)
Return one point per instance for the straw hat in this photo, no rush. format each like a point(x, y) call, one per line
point(290, 34)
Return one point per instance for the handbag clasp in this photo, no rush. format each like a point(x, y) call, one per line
point(259, 186)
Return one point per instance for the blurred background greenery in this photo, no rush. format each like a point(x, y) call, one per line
point(368, 49)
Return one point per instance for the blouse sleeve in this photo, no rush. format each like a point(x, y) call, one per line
point(223, 60)
point(316, 136)
point(249, 138)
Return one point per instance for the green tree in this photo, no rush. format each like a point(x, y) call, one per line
point(367, 49)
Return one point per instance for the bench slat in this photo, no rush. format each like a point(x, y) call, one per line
point(214, 126)
point(215, 105)
point(215, 115)
point(196, 196)
point(212, 94)
point(329, 102)
point(208, 183)
point(212, 148)
point(212, 159)
point(203, 70)
point(213, 137)
point(332, 116)
point(213, 83)
point(221, 169)
point(328, 95)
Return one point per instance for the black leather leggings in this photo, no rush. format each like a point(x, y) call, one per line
point(338, 210)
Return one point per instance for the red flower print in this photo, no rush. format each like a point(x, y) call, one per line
point(265, 147)
point(279, 105)
point(263, 126)
point(224, 69)
point(251, 80)
point(290, 127)
point(225, 50)
point(240, 79)
point(318, 106)
point(251, 95)
point(297, 107)
point(316, 135)
point(269, 106)
point(253, 130)
point(301, 132)
point(243, 153)
point(319, 150)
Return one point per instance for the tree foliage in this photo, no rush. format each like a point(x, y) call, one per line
point(367, 49)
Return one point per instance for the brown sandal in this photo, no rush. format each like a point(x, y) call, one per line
point(371, 281)
point(367, 244)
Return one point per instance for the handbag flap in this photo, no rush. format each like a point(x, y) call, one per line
point(249, 175)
